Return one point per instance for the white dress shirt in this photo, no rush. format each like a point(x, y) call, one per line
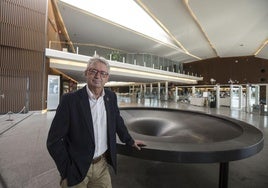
point(99, 119)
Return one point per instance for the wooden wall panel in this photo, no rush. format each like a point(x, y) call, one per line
point(22, 46)
point(14, 90)
point(242, 69)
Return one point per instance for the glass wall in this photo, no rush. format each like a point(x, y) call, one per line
point(53, 92)
point(141, 59)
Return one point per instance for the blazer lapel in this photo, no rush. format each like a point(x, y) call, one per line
point(85, 106)
point(108, 103)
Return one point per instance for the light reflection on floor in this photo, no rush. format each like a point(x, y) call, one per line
point(254, 118)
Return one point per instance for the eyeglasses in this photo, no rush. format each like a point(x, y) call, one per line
point(94, 72)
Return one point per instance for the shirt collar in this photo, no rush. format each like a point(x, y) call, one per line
point(91, 95)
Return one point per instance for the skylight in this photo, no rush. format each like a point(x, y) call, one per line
point(126, 13)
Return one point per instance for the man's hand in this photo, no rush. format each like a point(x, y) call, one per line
point(138, 144)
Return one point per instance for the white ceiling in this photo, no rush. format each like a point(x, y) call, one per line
point(201, 29)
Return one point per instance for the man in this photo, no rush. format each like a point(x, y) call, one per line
point(82, 136)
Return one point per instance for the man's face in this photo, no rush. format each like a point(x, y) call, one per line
point(97, 75)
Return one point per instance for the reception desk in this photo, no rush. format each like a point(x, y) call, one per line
point(197, 101)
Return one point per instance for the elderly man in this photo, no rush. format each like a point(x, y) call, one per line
point(82, 136)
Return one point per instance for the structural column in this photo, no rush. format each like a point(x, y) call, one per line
point(248, 97)
point(240, 92)
point(231, 95)
point(141, 91)
point(193, 90)
point(176, 94)
point(217, 96)
point(144, 90)
point(266, 96)
point(257, 95)
point(158, 90)
point(166, 91)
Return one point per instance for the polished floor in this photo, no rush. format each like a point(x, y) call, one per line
point(25, 162)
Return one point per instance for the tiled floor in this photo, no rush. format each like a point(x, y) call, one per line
point(25, 162)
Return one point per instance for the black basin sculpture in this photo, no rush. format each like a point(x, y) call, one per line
point(182, 136)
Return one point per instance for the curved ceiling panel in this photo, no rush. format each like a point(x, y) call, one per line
point(198, 29)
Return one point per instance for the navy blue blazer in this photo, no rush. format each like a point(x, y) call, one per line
point(70, 139)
